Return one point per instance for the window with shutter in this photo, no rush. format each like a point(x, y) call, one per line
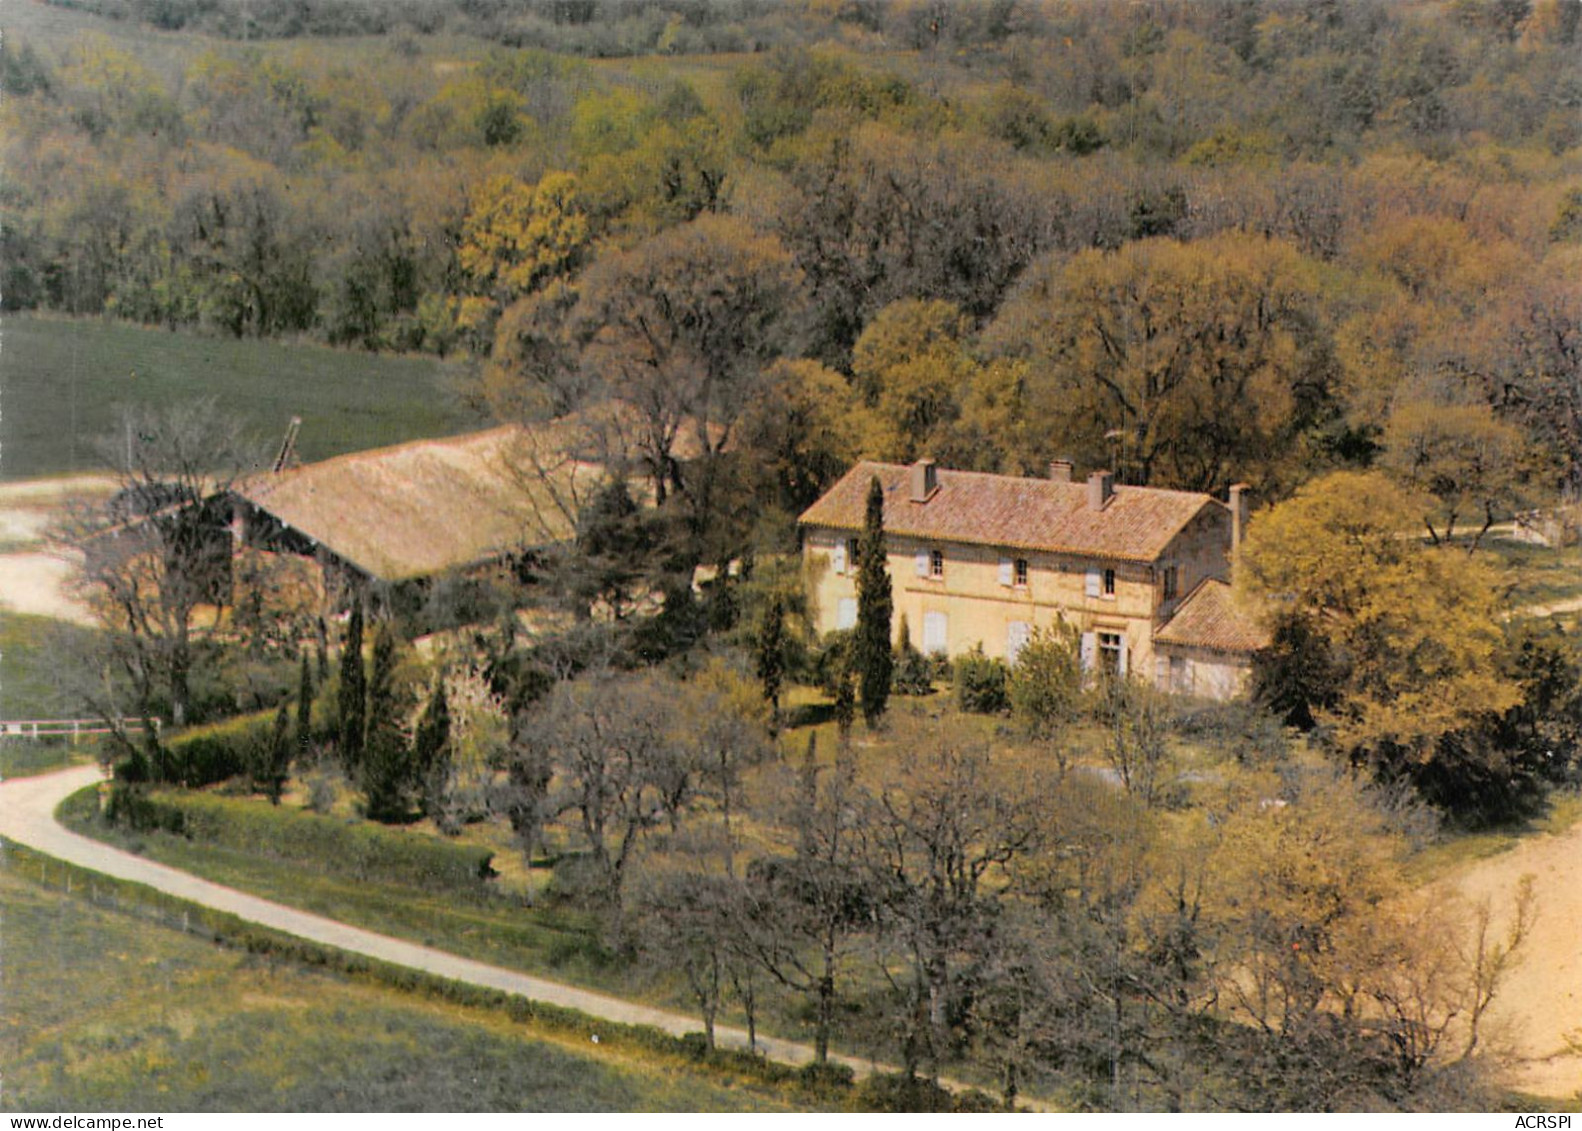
point(934, 632)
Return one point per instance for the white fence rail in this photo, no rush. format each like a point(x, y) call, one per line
point(74, 729)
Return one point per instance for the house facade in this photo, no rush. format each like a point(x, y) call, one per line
point(983, 560)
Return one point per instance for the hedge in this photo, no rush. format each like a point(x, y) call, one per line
point(357, 849)
point(209, 754)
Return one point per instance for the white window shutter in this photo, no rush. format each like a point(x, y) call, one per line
point(1162, 673)
point(1005, 571)
point(1090, 649)
point(846, 613)
point(1095, 582)
point(839, 557)
point(934, 633)
point(922, 563)
point(1017, 633)
point(1121, 657)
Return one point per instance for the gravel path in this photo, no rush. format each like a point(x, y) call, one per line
point(27, 808)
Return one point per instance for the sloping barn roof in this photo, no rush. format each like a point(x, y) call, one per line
point(1210, 618)
point(421, 508)
point(1137, 524)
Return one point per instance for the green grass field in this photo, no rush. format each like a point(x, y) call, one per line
point(65, 380)
point(105, 1011)
point(34, 686)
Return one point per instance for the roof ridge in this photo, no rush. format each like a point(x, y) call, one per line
point(387, 450)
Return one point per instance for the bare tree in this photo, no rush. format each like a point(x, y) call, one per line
point(611, 746)
point(154, 560)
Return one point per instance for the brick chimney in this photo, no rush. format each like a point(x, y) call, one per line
point(1060, 470)
point(925, 481)
point(1101, 486)
point(1240, 509)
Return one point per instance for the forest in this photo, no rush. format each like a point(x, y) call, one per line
point(1193, 242)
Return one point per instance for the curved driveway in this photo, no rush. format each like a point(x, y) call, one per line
point(27, 816)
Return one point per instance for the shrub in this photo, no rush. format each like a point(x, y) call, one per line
point(980, 683)
point(1045, 686)
point(210, 754)
point(898, 1093)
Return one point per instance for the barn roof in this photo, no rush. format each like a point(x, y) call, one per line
point(1137, 523)
point(421, 508)
point(1210, 618)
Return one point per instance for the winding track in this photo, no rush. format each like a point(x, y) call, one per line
point(27, 816)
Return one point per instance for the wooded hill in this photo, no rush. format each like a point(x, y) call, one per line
point(1197, 242)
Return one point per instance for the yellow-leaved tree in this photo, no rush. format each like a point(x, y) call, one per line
point(516, 236)
point(1403, 639)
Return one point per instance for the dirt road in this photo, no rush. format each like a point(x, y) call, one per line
point(32, 579)
point(27, 807)
point(1540, 1004)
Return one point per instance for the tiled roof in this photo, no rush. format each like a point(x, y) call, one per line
point(420, 508)
point(1210, 618)
point(1136, 524)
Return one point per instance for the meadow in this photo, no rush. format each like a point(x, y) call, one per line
point(107, 1011)
point(67, 379)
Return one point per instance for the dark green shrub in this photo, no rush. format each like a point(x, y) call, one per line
point(980, 683)
point(825, 1081)
point(899, 1093)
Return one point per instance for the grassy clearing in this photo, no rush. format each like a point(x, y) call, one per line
point(107, 1012)
point(66, 377)
point(503, 931)
point(32, 682)
point(1454, 851)
point(1543, 575)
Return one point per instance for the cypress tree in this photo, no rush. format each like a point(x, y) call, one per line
point(431, 752)
point(771, 649)
point(351, 715)
point(871, 649)
point(386, 764)
point(277, 766)
point(845, 702)
point(305, 708)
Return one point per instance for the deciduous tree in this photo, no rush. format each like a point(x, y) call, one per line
point(1412, 631)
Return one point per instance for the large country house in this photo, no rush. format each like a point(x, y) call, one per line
point(981, 560)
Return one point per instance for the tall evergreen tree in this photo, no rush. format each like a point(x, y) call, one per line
point(387, 765)
point(431, 752)
point(277, 761)
point(770, 647)
point(353, 703)
point(305, 708)
point(871, 649)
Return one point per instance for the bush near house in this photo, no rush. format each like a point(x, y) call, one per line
point(980, 683)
